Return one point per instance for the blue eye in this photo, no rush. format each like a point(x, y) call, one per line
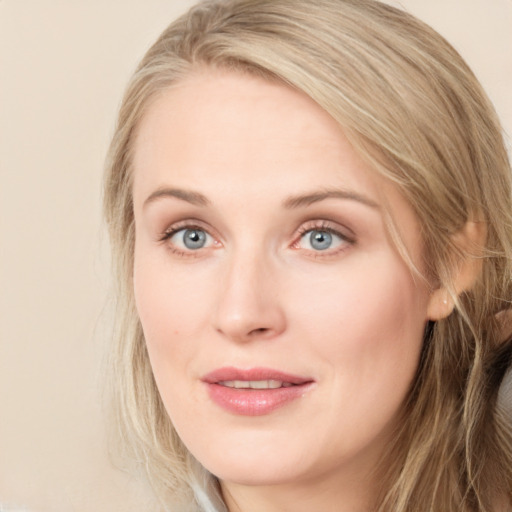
point(191, 239)
point(321, 240)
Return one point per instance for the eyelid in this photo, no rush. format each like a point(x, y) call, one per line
point(188, 224)
point(344, 233)
point(328, 226)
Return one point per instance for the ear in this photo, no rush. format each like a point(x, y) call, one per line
point(470, 241)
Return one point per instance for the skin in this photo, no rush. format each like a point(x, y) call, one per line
point(259, 294)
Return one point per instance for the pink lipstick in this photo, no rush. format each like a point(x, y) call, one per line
point(256, 391)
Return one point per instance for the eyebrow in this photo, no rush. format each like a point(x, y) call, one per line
point(189, 196)
point(302, 200)
point(315, 197)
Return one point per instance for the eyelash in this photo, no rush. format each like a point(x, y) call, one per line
point(321, 226)
point(176, 228)
point(324, 227)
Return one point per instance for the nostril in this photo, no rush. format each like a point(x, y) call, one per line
point(260, 330)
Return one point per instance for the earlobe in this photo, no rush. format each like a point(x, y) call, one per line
point(440, 305)
point(467, 266)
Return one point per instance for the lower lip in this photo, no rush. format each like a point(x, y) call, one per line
point(255, 402)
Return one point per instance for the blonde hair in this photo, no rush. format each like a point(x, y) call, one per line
point(413, 108)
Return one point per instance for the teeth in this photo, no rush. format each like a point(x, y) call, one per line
point(255, 384)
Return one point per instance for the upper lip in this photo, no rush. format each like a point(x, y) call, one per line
point(253, 374)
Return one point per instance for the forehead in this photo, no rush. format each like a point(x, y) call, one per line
point(229, 126)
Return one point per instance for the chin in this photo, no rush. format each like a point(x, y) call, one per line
point(260, 473)
point(258, 458)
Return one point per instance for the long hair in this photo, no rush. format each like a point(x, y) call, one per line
point(411, 107)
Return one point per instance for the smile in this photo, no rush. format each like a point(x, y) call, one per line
point(254, 392)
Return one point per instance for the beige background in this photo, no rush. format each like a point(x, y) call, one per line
point(63, 66)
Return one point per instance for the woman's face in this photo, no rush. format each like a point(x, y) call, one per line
point(283, 327)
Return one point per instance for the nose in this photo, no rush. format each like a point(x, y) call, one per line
point(248, 305)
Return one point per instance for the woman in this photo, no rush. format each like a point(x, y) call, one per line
point(310, 212)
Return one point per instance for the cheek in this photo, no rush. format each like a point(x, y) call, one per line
point(368, 325)
point(168, 306)
point(169, 311)
point(366, 333)
point(375, 294)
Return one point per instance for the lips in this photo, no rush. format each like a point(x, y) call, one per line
point(256, 391)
